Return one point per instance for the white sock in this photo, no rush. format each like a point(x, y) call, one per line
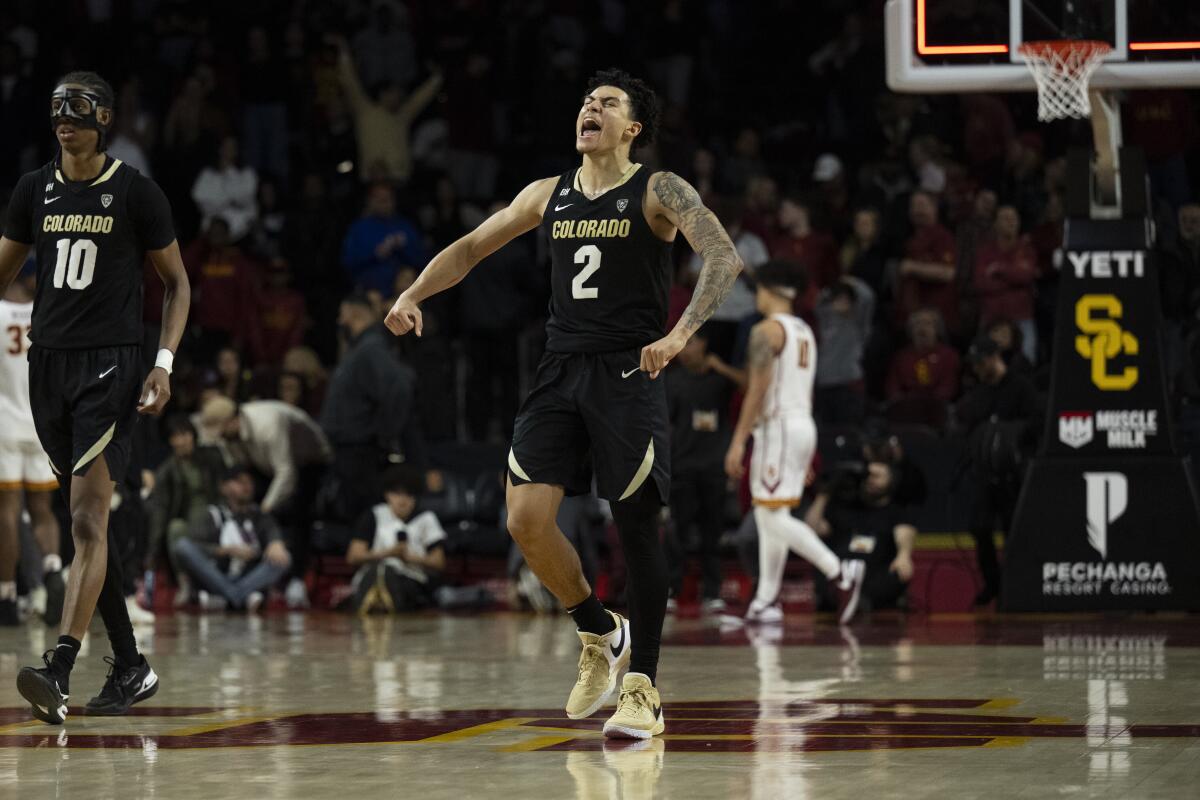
point(51, 563)
point(772, 559)
point(8, 590)
point(800, 538)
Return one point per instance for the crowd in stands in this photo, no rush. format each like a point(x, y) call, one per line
point(317, 154)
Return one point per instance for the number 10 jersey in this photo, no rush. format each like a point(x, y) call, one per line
point(610, 274)
point(90, 239)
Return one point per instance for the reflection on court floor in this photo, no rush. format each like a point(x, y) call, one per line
point(307, 705)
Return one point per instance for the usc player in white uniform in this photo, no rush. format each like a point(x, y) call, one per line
point(777, 410)
point(24, 468)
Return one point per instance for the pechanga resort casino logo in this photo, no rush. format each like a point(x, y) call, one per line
point(1107, 499)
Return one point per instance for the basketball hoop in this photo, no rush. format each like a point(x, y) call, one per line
point(1062, 69)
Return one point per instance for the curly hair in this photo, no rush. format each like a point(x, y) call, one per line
point(644, 105)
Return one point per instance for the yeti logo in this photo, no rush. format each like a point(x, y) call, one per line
point(1107, 497)
point(106, 200)
point(1075, 428)
point(621, 205)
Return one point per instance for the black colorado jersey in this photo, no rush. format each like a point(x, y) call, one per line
point(90, 239)
point(610, 275)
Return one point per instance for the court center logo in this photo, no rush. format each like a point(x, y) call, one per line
point(1076, 428)
point(1103, 339)
point(1107, 499)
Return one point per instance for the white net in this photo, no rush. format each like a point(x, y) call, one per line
point(1062, 71)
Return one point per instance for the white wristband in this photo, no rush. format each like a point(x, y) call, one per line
point(165, 360)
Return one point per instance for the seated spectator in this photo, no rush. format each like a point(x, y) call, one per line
point(844, 312)
point(282, 317)
point(286, 446)
point(235, 550)
point(1005, 271)
point(857, 514)
point(303, 361)
point(400, 554)
point(381, 242)
point(185, 485)
point(798, 241)
point(229, 377)
point(863, 255)
point(1009, 338)
point(289, 388)
point(923, 377)
point(224, 289)
point(227, 189)
point(927, 271)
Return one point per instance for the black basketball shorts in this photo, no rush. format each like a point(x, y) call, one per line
point(593, 413)
point(85, 404)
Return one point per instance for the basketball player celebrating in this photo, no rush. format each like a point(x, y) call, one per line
point(92, 221)
point(25, 473)
point(596, 406)
point(782, 360)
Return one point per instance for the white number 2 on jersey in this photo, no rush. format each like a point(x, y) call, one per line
point(589, 256)
point(76, 263)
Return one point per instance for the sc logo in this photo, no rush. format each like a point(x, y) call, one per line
point(1104, 339)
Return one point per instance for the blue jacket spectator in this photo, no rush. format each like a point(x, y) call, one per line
point(380, 242)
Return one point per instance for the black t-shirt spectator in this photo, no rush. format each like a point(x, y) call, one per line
point(698, 404)
point(866, 531)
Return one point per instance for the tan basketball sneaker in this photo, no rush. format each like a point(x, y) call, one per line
point(600, 664)
point(639, 710)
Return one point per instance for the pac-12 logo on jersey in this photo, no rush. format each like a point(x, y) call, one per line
point(622, 204)
point(106, 200)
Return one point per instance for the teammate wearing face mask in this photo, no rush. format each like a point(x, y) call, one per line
point(92, 221)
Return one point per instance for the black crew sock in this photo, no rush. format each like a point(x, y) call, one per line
point(114, 612)
point(649, 578)
point(63, 661)
point(590, 616)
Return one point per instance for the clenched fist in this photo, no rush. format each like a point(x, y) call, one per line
point(404, 317)
point(657, 355)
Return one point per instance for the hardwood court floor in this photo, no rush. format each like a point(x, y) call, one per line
point(324, 706)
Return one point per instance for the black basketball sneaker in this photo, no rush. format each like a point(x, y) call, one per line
point(124, 687)
point(46, 692)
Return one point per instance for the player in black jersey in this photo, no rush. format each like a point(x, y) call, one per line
point(92, 221)
point(596, 408)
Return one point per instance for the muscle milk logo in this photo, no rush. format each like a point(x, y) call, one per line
point(1075, 428)
point(1107, 498)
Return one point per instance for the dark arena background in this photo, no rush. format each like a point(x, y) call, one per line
point(313, 537)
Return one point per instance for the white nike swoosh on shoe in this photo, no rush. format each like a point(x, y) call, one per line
point(50, 200)
point(110, 369)
point(44, 709)
point(560, 208)
point(630, 372)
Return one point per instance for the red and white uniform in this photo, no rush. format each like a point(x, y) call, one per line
point(23, 464)
point(786, 436)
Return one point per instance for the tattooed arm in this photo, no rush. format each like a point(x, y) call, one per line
point(680, 204)
point(766, 340)
point(674, 202)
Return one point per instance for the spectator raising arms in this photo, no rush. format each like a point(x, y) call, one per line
point(382, 123)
